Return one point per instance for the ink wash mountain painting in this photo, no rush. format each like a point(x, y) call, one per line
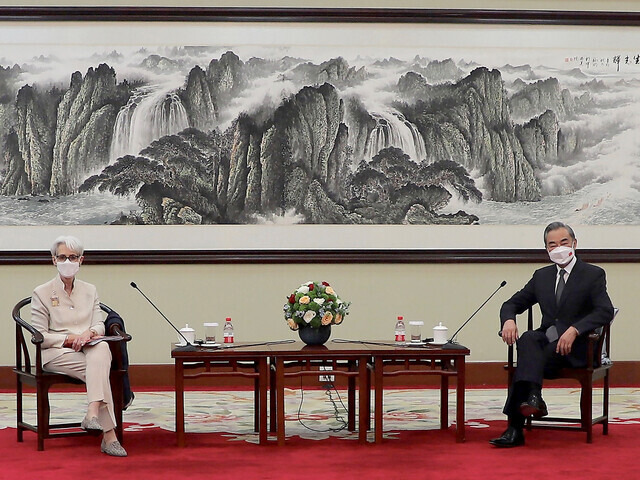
point(221, 135)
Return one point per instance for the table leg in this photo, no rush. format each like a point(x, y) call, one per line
point(179, 383)
point(377, 413)
point(351, 399)
point(272, 397)
point(280, 400)
point(256, 397)
point(363, 394)
point(262, 385)
point(444, 402)
point(460, 369)
point(368, 390)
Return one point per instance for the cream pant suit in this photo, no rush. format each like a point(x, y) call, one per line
point(56, 314)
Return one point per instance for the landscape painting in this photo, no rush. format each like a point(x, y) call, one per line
point(236, 124)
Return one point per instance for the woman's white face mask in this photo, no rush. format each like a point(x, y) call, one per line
point(562, 255)
point(68, 269)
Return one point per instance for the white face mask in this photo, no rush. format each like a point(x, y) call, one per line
point(68, 268)
point(562, 255)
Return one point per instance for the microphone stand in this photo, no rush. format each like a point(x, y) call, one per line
point(188, 347)
point(451, 343)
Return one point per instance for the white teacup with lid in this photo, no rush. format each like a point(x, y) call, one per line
point(440, 334)
point(189, 333)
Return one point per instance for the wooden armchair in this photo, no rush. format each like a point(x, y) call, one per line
point(32, 374)
point(598, 343)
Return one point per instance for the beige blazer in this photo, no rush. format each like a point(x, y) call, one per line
point(56, 314)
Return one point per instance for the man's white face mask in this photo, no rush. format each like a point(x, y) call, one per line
point(562, 255)
point(68, 268)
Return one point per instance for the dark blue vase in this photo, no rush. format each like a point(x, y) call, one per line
point(315, 336)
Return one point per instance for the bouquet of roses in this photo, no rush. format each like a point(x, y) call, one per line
point(314, 304)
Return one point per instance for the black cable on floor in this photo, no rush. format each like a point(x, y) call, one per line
point(336, 410)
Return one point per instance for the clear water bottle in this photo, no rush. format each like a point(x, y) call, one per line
point(227, 332)
point(401, 331)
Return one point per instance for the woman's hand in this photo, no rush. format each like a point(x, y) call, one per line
point(78, 341)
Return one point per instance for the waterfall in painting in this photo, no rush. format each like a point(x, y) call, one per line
point(393, 130)
point(152, 112)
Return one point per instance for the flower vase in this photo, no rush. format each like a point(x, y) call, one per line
point(315, 336)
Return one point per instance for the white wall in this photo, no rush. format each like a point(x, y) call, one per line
point(253, 295)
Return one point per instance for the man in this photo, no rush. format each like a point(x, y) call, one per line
point(573, 299)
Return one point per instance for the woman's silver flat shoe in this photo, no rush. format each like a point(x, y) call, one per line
point(114, 449)
point(91, 424)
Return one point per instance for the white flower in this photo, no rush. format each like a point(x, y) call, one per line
point(303, 289)
point(319, 301)
point(309, 315)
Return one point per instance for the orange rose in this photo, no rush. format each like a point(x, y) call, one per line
point(338, 319)
point(326, 318)
point(305, 300)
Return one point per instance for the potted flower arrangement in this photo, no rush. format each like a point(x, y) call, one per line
point(314, 306)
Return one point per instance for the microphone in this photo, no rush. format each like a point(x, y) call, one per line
point(451, 343)
point(188, 347)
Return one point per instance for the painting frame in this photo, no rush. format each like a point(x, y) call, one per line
point(480, 246)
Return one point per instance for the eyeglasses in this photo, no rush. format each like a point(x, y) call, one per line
point(71, 258)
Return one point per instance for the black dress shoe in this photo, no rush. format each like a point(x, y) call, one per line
point(512, 437)
point(534, 406)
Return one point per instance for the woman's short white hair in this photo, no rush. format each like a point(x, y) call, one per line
point(72, 243)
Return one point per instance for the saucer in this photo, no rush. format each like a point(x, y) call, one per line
point(210, 345)
point(438, 343)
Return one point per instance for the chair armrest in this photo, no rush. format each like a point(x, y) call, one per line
point(116, 331)
point(36, 336)
point(595, 343)
point(594, 336)
point(117, 346)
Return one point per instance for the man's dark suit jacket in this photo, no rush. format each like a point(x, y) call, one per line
point(584, 304)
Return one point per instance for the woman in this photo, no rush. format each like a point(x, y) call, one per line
point(67, 313)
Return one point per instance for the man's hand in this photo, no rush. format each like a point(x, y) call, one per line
point(509, 332)
point(566, 341)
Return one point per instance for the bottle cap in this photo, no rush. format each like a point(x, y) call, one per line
point(228, 319)
point(400, 317)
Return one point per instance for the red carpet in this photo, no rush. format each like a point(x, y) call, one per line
point(428, 454)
